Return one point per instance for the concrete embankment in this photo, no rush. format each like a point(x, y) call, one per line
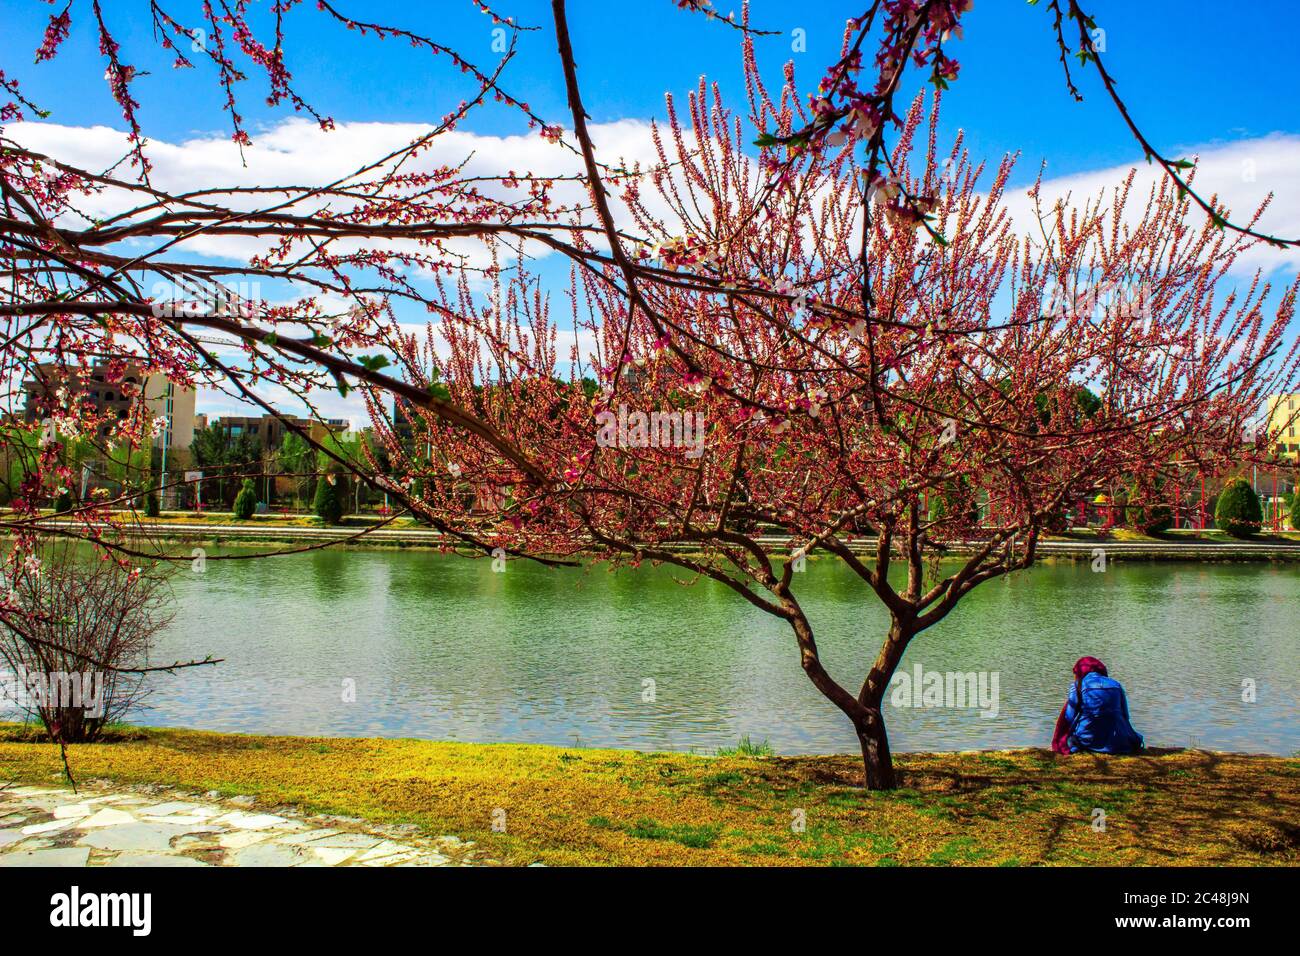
point(1082, 547)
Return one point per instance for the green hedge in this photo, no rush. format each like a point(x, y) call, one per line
point(1145, 511)
point(1238, 511)
point(246, 500)
point(328, 504)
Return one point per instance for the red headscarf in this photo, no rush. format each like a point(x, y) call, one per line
point(1061, 735)
point(1086, 665)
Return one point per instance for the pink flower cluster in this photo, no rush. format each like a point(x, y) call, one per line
point(843, 111)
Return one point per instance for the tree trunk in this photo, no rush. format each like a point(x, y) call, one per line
point(877, 762)
point(864, 710)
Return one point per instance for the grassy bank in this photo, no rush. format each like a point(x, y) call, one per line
point(576, 806)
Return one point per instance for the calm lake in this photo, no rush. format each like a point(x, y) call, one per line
point(442, 647)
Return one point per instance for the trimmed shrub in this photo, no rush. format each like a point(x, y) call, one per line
point(1153, 519)
point(1056, 522)
point(942, 507)
point(151, 508)
point(246, 500)
point(1238, 510)
point(947, 503)
point(1145, 513)
point(1295, 510)
point(328, 504)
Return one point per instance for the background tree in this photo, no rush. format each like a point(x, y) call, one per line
point(297, 459)
point(1238, 510)
point(246, 500)
point(225, 459)
point(344, 455)
point(328, 503)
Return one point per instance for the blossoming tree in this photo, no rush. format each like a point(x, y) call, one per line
point(870, 356)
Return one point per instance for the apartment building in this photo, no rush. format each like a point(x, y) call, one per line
point(270, 430)
point(1284, 416)
point(166, 403)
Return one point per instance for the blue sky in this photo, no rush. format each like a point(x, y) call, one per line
point(1195, 75)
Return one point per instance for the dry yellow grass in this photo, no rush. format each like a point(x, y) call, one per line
point(594, 807)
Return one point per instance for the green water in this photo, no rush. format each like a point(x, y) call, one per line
point(442, 647)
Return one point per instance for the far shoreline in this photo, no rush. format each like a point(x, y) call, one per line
point(362, 532)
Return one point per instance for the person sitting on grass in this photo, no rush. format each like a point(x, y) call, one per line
point(1095, 716)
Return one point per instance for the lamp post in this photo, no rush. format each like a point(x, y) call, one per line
point(1202, 502)
point(166, 440)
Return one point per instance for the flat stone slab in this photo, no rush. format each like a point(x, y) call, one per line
point(304, 837)
point(10, 836)
point(192, 823)
point(332, 856)
point(398, 858)
point(49, 826)
point(353, 841)
point(154, 859)
point(250, 821)
point(386, 848)
point(241, 838)
point(106, 818)
point(171, 807)
point(153, 825)
point(269, 854)
point(131, 836)
point(50, 856)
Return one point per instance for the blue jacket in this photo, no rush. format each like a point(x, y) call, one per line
point(1103, 726)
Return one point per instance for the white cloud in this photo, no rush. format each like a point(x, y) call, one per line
point(1241, 174)
point(298, 153)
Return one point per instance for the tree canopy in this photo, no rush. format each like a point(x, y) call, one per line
point(809, 319)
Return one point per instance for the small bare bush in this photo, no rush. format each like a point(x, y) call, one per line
point(76, 630)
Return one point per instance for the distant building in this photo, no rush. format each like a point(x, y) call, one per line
point(403, 425)
point(1284, 416)
point(165, 403)
point(270, 430)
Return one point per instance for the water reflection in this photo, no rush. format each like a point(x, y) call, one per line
point(443, 648)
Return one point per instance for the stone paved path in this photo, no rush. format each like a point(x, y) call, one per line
point(113, 825)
